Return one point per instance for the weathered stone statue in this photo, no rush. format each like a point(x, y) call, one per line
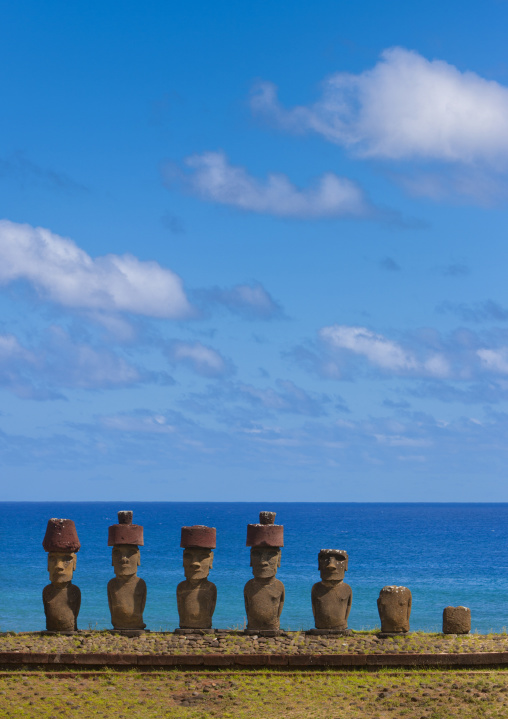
point(61, 598)
point(331, 597)
point(196, 596)
point(127, 591)
point(456, 620)
point(394, 606)
point(264, 595)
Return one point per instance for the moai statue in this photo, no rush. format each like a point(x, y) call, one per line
point(196, 596)
point(127, 591)
point(456, 620)
point(331, 597)
point(264, 595)
point(61, 598)
point(394, 606)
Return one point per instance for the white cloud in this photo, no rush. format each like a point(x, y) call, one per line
point(494, 360)
point(64, 273)
point(405, 107)
point(385, 354)
point(214, 179)
point(201, 359)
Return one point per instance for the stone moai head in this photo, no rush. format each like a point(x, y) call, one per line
point(394, 606)
point(125, 538)
point(198, 542)
point(332, 564)
point(61, 542)
point(265, 540)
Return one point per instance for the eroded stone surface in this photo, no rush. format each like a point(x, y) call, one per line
point(61, 599)
point(264, 594)
point(394, 606)
point(127, 591)
point(456, 620)
point(196, 595)
point(331, 597)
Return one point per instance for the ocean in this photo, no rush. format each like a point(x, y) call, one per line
point(447, 554)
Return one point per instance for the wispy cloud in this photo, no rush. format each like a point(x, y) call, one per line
point(251, 301)
point(406, 107)
point(200, 358)
point(57, 362)
point(18, 167)
point(211, 177)
point(488, 311)
point(65, 274)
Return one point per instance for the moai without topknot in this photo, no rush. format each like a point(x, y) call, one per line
point(127, 591)
point(196, 596)
point(394, 606)
point(331, 597)
point(61, 598)
point(456, 620)
point(264, 595)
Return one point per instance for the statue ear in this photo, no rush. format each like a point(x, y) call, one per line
point(139, 559)
point(74, 561)
point(48, 561)
point(347, 562)
point(211, 560)
point(250, 558)
point(112, 553)
point(278, 558)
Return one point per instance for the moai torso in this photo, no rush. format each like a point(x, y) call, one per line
point(394, 606)
point(61, 607)
point(331, 604)
point(196, 603)
point(264, 600)
point(127, 599)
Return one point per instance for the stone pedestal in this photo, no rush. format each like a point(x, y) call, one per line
point(127, 591)
point(394, 606)
point(456, 620)
point(264, 594)
point(331, 597)
point(61, 598)
point(196, 596)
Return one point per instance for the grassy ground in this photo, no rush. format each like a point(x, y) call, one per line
point(247, 695)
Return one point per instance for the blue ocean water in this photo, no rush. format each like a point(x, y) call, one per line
point(447, 554)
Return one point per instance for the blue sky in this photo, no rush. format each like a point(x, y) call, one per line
point(250, 251)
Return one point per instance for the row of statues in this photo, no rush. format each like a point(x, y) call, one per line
point(197, 595)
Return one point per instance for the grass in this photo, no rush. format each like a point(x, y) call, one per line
point(427, 694)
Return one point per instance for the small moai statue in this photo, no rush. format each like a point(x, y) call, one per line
point(61, 598)
point(264, 595)
point(127, 591)
point(394, 606)
point(196, 596)
point(331, 597)
point(456, 620)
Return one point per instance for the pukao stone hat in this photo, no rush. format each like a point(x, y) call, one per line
point(125, 532)
point(198, 536)
point(266, 533)
point(61, 536)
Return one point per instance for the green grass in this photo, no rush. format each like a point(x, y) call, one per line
point(256, 694)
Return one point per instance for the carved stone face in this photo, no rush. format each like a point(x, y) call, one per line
point(126, 559)
point(61, 566)
point(332, 567)
point(197, 562)
point(264, 561)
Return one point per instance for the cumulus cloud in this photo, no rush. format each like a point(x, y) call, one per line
point(200, 358)
point(63, 273)
point(405, 107)
point(213, 178)
point(383, 353)
point(250, 301)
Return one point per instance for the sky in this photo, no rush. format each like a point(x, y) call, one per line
point(254, 251)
